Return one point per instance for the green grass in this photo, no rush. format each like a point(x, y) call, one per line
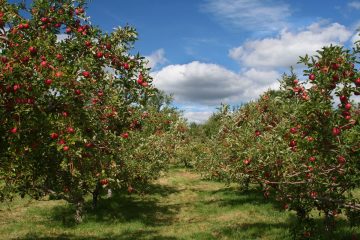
point(179, 205)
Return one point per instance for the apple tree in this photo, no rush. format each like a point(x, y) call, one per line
point(70, 96)
point(301, 143)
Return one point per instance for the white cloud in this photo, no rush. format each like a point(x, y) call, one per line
point(197, 117)
point(211, 84)
point(156, 58)
point(354, 4)
point(285, 49)
point(262, 15)
point(61, 37)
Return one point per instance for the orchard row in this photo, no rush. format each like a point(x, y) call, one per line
point(81, 115)
point(300, 144)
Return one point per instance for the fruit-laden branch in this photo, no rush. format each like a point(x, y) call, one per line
point(355, 206)
point(267, 182)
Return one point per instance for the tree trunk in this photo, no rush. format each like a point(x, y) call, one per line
point(109, 193)
point(95, 195)
point(79, 210)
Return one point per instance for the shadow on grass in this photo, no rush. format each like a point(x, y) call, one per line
point(254, 231)
point(134, 235)
point(265, 230)
point(122, 208)
point(283, 231)
point(233, 197)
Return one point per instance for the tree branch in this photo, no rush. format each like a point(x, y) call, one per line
point(4, 38)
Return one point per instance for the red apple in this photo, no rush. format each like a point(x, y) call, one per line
point(87, 43)
point(66, 148)
point(312, 77)
point(313, 194)
point(126, 66)
point(104, 181)
point(54, 135)
point(44, 19)
point(293, 130)
point(336, 131)
point(58, 74)
point(357, 82)
point(296, 89)
point(341, 160)
point(86, 74)
point(13, 130)
point(70, 130)
point(335, 66)
point(59, 57)
point(48, 81)
point(32, 50)
point(345, 113)
point(312, 159)
point(99, 54)
point(125, 135)
point(79, 11)
point(246, 161)
point(348, 106)
point(335, 78)
point(343, 99)
point(309, 138)
point(89, 145)
point(16, 87)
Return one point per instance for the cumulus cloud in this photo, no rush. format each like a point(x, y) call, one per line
point(156, 58)
point(197, 116)
point(285, 49)
point(354, 4)
point(262, 15)
point(206, 84)
point(212, 84)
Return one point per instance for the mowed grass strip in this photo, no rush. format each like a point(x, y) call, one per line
point(179, 205)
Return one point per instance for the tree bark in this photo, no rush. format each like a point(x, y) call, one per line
point(79, 210)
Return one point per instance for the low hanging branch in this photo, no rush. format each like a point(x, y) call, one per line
point(4, 38)
point(355, 206)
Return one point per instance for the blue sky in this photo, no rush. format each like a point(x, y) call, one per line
point(208, 52)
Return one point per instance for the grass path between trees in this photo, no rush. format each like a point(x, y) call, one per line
point(180, 205)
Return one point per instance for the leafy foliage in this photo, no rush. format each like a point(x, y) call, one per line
point(298, 144)
point(74, 116)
